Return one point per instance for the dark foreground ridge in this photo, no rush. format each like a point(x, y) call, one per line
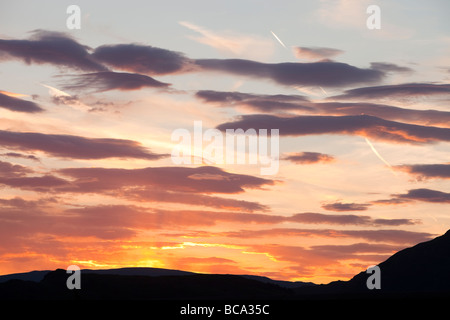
point(421, 272)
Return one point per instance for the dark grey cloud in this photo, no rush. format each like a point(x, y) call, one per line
point(363, 125)
point(19, 105)
point(75, 147)
point(54, 48)
point(109, 80)
point(425, 195)
point(422, 194)
point(316, 53)
point(204, 179)
point(259, 102)
point(61, 50)
point(9, 170)
point(388, 112)
point(324, 73)
point(351, 251)
point(389, 67)
point(20, 203)
point(156, 194)
point(339, 206)
point(426, 171)
point(141, 58)
point(156, 61)
point(403, 91)
point(347, 219)
point(183, 185)
point(41, 184)
point(296, 103)
point(20, 155)
point(379, 235)
point(308, 157)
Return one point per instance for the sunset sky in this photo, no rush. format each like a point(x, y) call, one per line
point(87, 116)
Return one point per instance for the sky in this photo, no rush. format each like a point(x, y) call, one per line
point(89, 110)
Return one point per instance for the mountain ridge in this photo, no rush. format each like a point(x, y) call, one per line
point(421, 271)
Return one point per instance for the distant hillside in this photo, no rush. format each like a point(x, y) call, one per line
point(123, 287)
point(35, 276)
point(422, 271)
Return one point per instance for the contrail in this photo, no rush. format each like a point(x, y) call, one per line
point(56, 92)
point(75, 104)
point(379, 155)
point(281, 42)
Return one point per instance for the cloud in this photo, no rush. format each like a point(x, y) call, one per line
point(20, 203)
point(165, 178)
point(426, 117)
point(20, 155)
point(9, 170)
point(422, 194)
point(154, 194)
point(402, 91)
point(204, 260)
point(41, 184)
point(250, 46)
point(103, 224)
point(298, 103)
point(61, 50)
point(308, 157)
point(358, 251)
point(339, 206)
point(324, 73)
point(108, 80)
point(159, 184)
point(54, 48)
point(316, 53)
point(318, 259)
point(380, 235)
point(27, 218)
point(76, 147)
point(258, 102)
point(426, 195)
point(389, 67)
point(141, 59)
point(362, 125)
point(347, 219)
point(427, 171)
point(18, 105)
point(218, 217)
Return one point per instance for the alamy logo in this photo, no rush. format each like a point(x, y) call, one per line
point(235, 146)
point(74, 20)
point(374, 281)
point(74, 281)
point(374, 20)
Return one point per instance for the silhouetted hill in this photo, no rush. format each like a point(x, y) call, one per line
point(281, 283)
point(422, 271)
point(123, 287)
point(35, 276)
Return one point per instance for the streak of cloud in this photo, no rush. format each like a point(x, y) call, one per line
point(278, 39)
point(379, 155)
point(239, 45)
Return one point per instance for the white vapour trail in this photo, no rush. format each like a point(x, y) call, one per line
point(278, 39)
point(379, 156)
